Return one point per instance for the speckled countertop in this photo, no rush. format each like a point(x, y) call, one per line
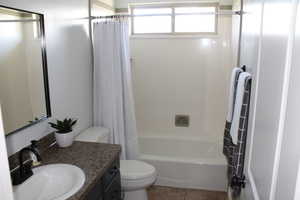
point(93, 158)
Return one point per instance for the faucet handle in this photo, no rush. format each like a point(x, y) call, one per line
point(35, 160)
point(35, 153)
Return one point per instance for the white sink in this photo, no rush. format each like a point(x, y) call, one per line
point(51, 182)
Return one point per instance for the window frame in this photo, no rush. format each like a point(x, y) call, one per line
point(172, 6)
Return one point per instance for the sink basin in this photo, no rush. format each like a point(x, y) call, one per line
point(51, 182)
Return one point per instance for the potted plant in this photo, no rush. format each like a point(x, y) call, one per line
point(64, 131)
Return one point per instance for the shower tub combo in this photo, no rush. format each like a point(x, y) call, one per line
point(185, 162)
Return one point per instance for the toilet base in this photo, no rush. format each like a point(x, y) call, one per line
point(136, 195)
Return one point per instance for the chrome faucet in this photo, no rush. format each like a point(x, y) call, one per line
point(25, 169)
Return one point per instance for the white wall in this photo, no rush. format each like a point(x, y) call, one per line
point(69, 64)
point(266, 50)
point(102, 7)
point(287, 187)
point(250, 57)
point(107, 2)
point(236, 30)
point(182, 76)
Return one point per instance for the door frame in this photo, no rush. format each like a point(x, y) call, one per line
point(5, 180)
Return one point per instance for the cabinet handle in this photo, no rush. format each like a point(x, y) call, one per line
point(113, 171)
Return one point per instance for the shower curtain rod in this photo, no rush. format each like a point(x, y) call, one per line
point(19, 20)
point(109, 16)
point(147, 15)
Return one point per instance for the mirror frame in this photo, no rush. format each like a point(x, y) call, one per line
point(45, 70)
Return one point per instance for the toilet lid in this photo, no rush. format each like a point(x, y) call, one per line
point(134, 169)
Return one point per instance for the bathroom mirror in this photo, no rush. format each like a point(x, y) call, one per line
point(24, 91)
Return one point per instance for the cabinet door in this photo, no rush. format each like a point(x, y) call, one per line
point(110, 174)
point(113, 191)
point(96, 193)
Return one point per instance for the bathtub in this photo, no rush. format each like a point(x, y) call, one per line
point(185, 162)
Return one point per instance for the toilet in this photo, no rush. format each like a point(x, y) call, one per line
point(136, 175)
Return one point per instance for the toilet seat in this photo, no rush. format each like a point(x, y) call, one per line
point(136, 174)
point(135, 170)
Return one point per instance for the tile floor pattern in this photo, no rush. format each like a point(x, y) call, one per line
point(169, 193)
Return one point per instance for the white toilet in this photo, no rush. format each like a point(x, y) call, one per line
point(136, 175)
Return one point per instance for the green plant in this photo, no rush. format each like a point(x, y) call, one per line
point(64, 126)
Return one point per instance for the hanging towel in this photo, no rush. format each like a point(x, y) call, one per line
point(232, 92)
point(228, 146)
point(239, 106)
point(240, 124)
point(227, 142)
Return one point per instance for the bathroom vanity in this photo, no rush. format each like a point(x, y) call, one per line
point(100, 164)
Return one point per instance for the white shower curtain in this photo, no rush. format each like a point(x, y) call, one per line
point(113, 96)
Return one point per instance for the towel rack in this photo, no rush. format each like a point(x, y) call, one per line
point(243, 68)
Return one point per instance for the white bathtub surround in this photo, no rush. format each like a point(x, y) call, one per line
point(185, 162)
point(64, 139)
point(113, 98)
point(181, 75)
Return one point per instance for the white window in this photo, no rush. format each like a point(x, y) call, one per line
point(152, 20)
point(174, 19)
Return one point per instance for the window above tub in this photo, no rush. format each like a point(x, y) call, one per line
point(174, 19)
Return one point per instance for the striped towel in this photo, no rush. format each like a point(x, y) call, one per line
point(228, 146)
point(239, 105)
point(242, 114)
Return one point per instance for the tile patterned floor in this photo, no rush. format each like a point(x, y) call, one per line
point(168, 193)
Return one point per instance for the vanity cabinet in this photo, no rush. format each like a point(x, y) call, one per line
point(109, 186)
point(113, 191)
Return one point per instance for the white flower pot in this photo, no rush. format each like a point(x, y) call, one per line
point(64, 139)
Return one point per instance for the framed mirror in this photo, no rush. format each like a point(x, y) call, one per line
point(24, 89)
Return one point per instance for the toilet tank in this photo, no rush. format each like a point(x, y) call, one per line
point(94, 134)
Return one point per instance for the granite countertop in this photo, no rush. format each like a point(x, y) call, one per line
point(93, 158)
